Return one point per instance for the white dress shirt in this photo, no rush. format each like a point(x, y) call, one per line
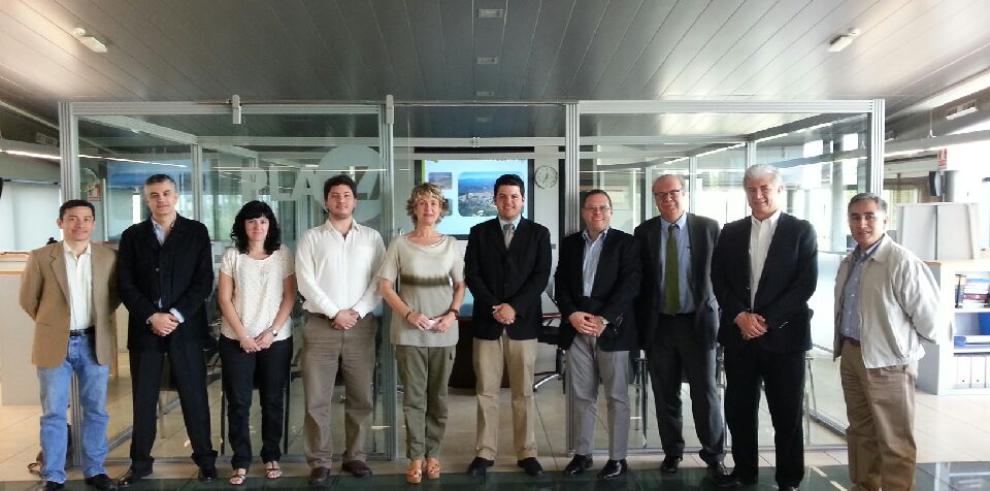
point(79, 273)
point(337, 272)
point(760, 236)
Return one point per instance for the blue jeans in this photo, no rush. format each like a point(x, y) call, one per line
point(55, 386)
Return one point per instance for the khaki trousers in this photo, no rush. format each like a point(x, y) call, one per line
point(490, 356)
point(424, 373)
point(324, 350)
point(880, 406)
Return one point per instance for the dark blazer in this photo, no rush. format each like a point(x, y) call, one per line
point(790, 275)
point(516, 276)
point(616, 284)
point(703, 234)
point(180, 272)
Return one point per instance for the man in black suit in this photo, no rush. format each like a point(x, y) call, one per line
point(764, 270)
point(506, 266)
point(596, 280)
point(678, 318)
point(165, 274)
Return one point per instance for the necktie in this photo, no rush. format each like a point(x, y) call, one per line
point(509, 230)
point(671, 277)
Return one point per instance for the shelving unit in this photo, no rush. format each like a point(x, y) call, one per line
point(947, 368)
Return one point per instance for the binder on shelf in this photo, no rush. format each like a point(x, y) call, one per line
point(964, 367)
point(978, 372)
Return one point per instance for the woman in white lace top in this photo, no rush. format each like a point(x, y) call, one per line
point(256, 294)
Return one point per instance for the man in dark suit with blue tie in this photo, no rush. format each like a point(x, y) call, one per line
point(165, 274)
point(678, 319)
point(595, 284)
point(506, 266)
point(764, 271)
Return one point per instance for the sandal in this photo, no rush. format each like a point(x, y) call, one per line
point(272, 470)
point(414, 473)
point(238, 477)
point(432, 468)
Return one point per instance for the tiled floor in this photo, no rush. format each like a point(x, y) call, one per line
point(948, 428)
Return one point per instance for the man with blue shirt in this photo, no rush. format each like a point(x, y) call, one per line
point(886, 301)
point(595, 284)
point(678, 318)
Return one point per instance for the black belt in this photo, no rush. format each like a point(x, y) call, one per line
point(89, 331)
point(689, 315)
point(852, 341)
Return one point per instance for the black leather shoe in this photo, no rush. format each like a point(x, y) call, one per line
point(101, 482)
point(531, 466)
point(207, 474)
point(479, 466)
point(717, 471)
point(132, 476)
point(319, 476)
point(734, 481)
point(787, 488)
point(613, 469)
point(578, 464)
point(357, 468)
point(52, 485)
point(670, 464)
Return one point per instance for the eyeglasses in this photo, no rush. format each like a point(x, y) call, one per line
point(672, 194)
point(597, 209)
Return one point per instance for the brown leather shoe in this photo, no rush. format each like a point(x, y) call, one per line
point(319, 476)
point(357, 468)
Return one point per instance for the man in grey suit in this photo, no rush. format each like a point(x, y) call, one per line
point(678, 318)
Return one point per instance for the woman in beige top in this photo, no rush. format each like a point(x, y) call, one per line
point(428, 270)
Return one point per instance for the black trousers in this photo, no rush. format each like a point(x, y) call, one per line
point(678, 348)
point(241, 371)
point(188, 374)
point(782, 377)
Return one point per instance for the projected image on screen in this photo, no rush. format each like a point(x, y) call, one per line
point(468, 187)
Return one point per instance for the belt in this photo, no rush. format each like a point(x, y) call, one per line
point(852, 341)
point(82, 332)
point(687, 315)
point(321, 316)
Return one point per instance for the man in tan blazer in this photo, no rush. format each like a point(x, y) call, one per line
point(69, 289)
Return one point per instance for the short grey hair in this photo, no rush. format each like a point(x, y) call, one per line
point(760, 170)
point(679, 178)
point(868, 197)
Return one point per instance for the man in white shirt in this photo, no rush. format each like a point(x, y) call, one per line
point(69, 288)
point(764, 271)
point(336, 264)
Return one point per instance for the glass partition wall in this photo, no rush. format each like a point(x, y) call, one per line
point(223, 155)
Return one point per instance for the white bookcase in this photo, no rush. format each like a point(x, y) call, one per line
point(946, 368)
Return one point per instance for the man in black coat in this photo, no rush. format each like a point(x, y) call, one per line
point(678, 318)
point(506, 266)
point(165, 274)
point(596, 280)
point(764, 270)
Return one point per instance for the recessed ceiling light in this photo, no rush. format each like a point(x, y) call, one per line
point(485, 93)
point(961, 110)
point(487, 60)
point(89, 41)
point(483, 119)
point(491, 13)
point(842, 41)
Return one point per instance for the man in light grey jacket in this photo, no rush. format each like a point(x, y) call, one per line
point(886, 300)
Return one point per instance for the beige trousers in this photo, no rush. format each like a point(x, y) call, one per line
point(880, 438)
point(324, 350)
point(490, 356)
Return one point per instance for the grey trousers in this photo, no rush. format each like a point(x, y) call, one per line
point(586, 366)
point(324, 350)
point(676, 351)
point(424, 373)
